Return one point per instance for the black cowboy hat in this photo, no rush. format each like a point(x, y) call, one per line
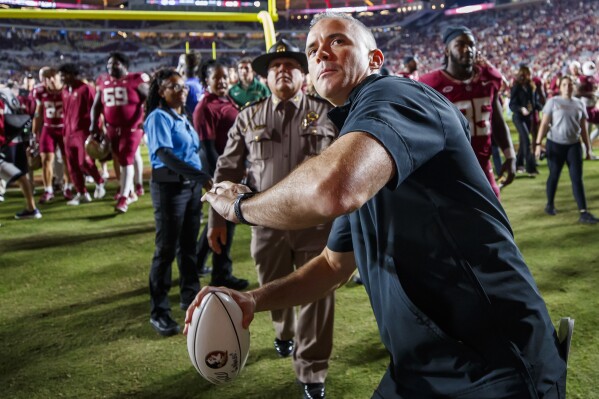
point(281, 49)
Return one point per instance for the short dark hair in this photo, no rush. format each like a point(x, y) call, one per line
point(120, 57)
point(69, 69)
point(208, 66)
point(192, 64)
point(154, 100)
point(409, 58)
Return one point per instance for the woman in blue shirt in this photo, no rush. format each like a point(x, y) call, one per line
point(176, 190)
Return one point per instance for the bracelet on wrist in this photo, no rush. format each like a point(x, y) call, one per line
point(237, 207)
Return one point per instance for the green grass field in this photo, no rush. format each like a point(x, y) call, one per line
point(74, 304)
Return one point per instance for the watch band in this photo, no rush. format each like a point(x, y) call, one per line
point(237, 207)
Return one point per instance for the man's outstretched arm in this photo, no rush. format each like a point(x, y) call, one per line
point(309, 283)
point(336, 182)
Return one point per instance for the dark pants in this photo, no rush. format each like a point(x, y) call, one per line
point(177, 212)
point(557, 156)
point(222, 264)
point(506, 387)
point(525, 154)
point(17, 155)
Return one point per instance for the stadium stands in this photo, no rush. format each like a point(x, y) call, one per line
point(545, 35)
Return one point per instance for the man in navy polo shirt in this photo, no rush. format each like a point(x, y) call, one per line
point(456, 306)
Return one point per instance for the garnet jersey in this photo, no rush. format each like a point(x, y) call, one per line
point(122, 104)
point(474, 97)
point(51, 102)
point(587, 86)
point(77, 102)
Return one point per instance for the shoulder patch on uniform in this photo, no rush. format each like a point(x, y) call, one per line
point(252, 103)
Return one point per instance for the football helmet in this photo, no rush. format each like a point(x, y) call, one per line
point(34, 159)
point(99, 150)
point(589, 68)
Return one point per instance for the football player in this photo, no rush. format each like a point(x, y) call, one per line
point(474, 88)
point(120, 97)
point(48, 126)
point(77, 99)
point(586, 89)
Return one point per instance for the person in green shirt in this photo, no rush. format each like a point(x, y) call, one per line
point(249, 88)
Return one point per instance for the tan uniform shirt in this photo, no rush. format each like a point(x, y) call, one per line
point(273, 137)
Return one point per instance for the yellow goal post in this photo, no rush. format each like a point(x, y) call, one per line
point(266, 18)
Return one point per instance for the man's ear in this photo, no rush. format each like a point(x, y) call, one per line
point(376, 58)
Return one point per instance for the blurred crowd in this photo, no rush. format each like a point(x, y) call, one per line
point(551, 39)
point(546, 36)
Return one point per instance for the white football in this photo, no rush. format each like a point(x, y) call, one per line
point(217, 344)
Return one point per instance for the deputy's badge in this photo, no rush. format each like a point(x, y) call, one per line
point(281, 48)
point(310, 118)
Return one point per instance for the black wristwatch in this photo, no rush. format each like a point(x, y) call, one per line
point(237, 207)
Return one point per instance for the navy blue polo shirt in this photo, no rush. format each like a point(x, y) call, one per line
point(456, 306)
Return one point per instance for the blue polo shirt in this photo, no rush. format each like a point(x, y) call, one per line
point(176, 133)
point(456, 306)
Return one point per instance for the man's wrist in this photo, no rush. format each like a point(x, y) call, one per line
point(237, 207)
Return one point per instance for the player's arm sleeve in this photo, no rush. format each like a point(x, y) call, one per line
point(38, 119)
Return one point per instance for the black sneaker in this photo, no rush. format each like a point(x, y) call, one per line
point(25, 214)
point(313, 390)
point(587, 218)
point(550, 210)
point(284, 347)
point(165, 325)
point(232, 282)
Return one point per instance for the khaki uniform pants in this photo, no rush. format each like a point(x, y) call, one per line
point(277, 254)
